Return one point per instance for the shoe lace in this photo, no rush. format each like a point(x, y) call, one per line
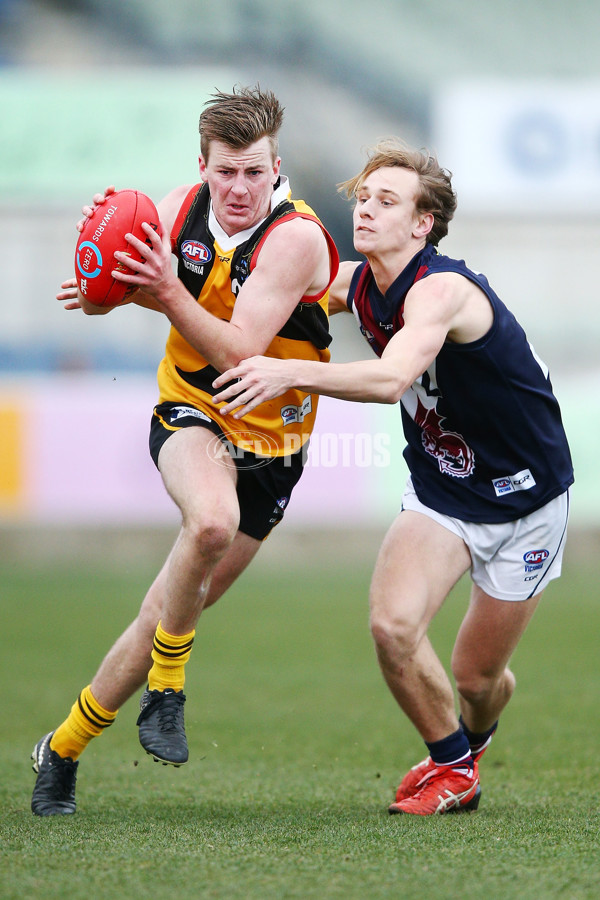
point(170, 712)
point(60, 775)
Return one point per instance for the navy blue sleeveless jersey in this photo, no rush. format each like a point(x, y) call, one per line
point(484, 431)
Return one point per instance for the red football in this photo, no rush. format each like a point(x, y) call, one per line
point(103, 234)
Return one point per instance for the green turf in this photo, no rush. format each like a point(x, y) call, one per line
point(296, 748)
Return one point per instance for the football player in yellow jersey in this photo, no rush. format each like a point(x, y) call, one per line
point(253, 277)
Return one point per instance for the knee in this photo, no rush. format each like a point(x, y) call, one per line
point(211, 534)
point(477, 685)
point(394, 635)
point(472, 687)
point(472, 682)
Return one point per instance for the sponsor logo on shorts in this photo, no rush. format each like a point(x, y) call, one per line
point(508, 484)
point(536, 556)
point(292, 413)
point(278, 511)
point(535, 559)
point(181, 412)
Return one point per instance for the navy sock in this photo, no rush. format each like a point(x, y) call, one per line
point(451, 750)
point(477, 741)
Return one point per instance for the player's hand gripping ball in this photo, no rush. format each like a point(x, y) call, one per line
point(103, 234)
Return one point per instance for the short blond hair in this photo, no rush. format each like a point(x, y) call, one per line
point(435, 194)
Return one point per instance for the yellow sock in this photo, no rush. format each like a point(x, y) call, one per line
point(86, 720)
point(170, 652)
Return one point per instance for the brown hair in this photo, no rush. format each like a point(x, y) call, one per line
point(241, 118)
point(435, 194)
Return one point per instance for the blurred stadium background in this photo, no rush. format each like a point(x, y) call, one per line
point(95, 92)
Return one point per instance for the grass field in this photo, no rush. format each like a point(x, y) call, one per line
point(296, 748)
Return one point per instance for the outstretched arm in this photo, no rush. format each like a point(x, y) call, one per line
point(430, 312)
point(262, 378)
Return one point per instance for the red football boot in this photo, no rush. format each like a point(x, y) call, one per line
point(441, 789)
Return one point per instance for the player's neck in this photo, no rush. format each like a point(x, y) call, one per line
point(387, 267)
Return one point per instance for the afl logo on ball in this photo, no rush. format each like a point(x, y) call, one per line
point(195, 252)
point(89, 259)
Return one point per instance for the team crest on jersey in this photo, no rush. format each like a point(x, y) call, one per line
point(453, 454)
point(242, 267)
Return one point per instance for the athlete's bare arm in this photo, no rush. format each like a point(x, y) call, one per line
point(294, 260)
point(437, 309)
point(338, 291)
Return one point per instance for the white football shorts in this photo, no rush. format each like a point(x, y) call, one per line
point(511, 560)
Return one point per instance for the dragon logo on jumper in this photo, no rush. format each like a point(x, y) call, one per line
point(453, 454)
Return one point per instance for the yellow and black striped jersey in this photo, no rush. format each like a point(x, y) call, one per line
point(213, 267)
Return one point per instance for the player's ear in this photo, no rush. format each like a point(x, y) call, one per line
point(424, 224)
point(276, 168)
point(202, 167)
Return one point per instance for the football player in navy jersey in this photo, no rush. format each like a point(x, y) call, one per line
point(488, 458)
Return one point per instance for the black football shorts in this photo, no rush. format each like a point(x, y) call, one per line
point(264, 483)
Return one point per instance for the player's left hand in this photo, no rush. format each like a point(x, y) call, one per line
point(255, 380)
point(69, 293)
